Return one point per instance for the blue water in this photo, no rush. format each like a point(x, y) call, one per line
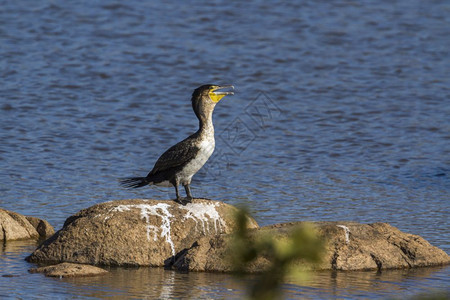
point(341, 112)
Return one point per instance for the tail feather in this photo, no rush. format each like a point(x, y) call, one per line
point(134, 182)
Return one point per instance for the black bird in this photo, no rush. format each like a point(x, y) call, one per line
point(180, 162)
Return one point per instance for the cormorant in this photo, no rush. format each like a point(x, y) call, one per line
point(180, 162)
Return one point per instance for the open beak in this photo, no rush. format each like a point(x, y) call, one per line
point(224, 93)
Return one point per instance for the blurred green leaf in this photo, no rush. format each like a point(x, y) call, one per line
point(284, 251)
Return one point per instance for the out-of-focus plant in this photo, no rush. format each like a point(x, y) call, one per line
point(282, 252)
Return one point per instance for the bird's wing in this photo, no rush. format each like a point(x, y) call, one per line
point(175, 156)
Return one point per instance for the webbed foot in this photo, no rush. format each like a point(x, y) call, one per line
point(179, 200)
point(183, 201)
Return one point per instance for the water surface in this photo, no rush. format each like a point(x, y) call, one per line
point(340, 113)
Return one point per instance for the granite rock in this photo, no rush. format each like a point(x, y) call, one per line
point(136, 232)
point(14, 226)
point(69, 270)
point(349, 246)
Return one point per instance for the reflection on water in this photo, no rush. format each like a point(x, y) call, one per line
point(12, 255)
point(388, 283)
point(157, 283)
point(163, 284)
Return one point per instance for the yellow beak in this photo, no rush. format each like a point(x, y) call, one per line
point(216, 95)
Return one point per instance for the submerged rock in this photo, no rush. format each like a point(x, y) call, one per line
point(69, 270)
point(349, 246)
point(14, 226)
point(136, 232)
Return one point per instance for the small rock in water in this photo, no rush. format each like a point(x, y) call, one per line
point(69, 270)
point(14, 226)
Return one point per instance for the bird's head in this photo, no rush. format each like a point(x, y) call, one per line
point(213, 92)
point(207, 96)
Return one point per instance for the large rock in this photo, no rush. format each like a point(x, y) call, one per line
point(14, 226)
point(349, 246)
point(136, 232)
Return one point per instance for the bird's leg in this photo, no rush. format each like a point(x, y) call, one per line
point(188, 193)
point(178, 199)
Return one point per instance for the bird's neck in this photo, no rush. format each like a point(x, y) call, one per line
point(206, 126)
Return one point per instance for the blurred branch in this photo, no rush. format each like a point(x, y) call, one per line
point(281, 251)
